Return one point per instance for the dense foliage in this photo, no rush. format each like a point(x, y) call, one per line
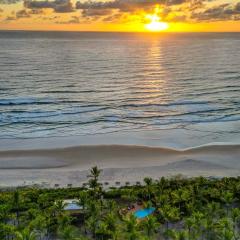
point(196, 208)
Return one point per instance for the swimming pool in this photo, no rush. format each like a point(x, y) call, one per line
point(142, 213)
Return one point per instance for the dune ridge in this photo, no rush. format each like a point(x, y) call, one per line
point(80, 155)
point(119, 163)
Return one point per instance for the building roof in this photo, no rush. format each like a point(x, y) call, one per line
point(71, 204)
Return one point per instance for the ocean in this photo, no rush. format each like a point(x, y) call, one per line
point(55, 84)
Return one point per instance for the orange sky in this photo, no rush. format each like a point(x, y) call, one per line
point(120, 15)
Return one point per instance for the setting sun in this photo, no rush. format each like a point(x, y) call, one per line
point(155, 23)
point(156, 26)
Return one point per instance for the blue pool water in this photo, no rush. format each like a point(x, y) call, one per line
point(142, 213)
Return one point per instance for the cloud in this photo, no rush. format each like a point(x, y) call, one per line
point(22, 14)
point(126, 11)
point(218, 13)
point(73, 20)
point(96, 12)
point(37, 11)
point(171, 10)
point(10, 18)
point(114, 10)
point(59, 6)
point(126, 5)
point(9, 1)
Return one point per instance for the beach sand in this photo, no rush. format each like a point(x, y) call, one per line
point(120, 163)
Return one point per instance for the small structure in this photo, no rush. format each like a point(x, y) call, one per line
point(72, 206)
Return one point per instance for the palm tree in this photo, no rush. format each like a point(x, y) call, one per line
point(196, 226)
point(169, 214)
point(94, 173)
point(209, 227)
point(64, 220)
point(235, 218)
point(59, 207)
point(16, 204)
point(130, 195)
point(92, 224)
point(227, 198)
point(112, 226)
point(67, 233)
point(178, 235)
point(111, 206)
point(94, 212)
point(7, 231)
point(82, 201)
point(228, 235)
point(226, 229)
point(93, 208)
point(192, 226)
point(26, 234)
point(150, 225)
point(131, 228)
point(161, 185)
point(4, 212)
point(161, 200)
point(148, 187)
point(93, 182)
point(213, 210)
point(102, 231)
point(39, 224)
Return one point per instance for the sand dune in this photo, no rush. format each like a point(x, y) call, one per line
point(126, 162)
point(108, 156)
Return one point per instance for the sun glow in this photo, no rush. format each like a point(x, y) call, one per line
point(155, 24)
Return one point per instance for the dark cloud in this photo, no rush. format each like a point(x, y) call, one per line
point(220, 12)
point(122, 10)
point(126, 5)
point(36, 11)
point(10, 18)
point(52, 18)
point(22, 14)
point(59, 6)
point(96, 12)
point(73, 20)
point(237, 7)
point(172, 10)
point(9, 1)
point(113, 17)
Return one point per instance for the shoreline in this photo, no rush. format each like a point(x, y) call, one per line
point(202, 149)
point(175, 137)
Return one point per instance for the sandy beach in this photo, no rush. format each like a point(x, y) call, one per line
point(120, 163)
point(123, 156)
point(134, 104)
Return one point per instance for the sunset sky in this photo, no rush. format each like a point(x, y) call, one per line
point(121, 15)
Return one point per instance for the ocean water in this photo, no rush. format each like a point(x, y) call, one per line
point(68, 84)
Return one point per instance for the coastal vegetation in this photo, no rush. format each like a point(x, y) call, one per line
point(184, 209)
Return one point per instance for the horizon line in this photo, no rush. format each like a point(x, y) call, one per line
point(145, 32)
